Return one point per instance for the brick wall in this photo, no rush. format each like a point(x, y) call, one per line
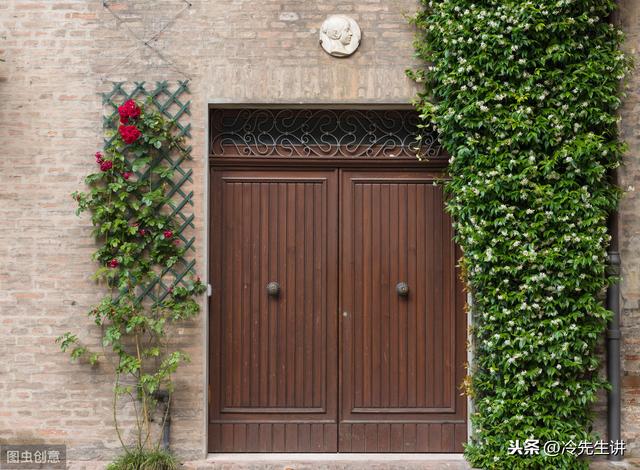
point(60, 54)
point(628, 17)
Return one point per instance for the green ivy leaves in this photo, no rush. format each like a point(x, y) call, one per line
point(522, 95)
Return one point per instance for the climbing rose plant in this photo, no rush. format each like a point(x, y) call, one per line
point(523, 94)
point(137, 242)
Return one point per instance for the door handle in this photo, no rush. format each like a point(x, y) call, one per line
point(273, 289)
point(402, 288)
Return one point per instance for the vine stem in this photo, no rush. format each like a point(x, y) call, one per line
point(145, 409)
point(115, 413)
point(137, 415)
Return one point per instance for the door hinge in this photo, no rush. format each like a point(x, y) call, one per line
point(209, 290)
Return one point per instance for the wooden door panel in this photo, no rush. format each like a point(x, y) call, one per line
point(273, 358)
point(402, 358)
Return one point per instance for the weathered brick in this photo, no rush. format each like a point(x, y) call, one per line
point(59, 55)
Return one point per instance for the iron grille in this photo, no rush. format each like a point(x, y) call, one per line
point(290, 133)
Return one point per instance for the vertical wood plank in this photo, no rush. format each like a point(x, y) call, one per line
point(277, 438)
point(384, 437)
point(274, 307)
point(309, 311)
point(265, 352)
point(371, 437)
point(240, 437)
point(244, 338)
point(410, 436)
point(395, 315)
point(435, 438)
point(317, 438)
point(291, 437)
point(460, 437)
point(253, 437)
point(396, 439)
point(344, 443)
point(299, 295)
point(254, 303)
point(432, 289)
point(282, 301)
point(319, 337)
point(331, 438)
point(265, 438)
point(448, 442)
point(227, 438)
point(422, 436)
point(402, 302)
point(423, 283)
point(439, 332)
point(384, 296)
point(357, 437)
point(414, 310)
point(289, 291)
point(304, 438)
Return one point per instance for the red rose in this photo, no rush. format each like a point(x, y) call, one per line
point(127, 174)
point(168, 234)
point(113, 263)
point(129, 110)
point(129, 134)
point(142, 232)
point(106, 165)
point(98, 157)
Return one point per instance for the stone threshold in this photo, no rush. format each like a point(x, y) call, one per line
point(347, 461)
point(333, 457)
point(335, 462)
point(330, 461)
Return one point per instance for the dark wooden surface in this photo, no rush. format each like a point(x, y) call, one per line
point(274, 359)
point(400, 360)
point(281, 377)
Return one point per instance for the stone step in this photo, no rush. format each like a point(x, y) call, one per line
point(330, 462)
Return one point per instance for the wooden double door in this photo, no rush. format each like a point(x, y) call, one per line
point(336, 319)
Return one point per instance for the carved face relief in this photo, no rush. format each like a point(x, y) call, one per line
point(340, 35)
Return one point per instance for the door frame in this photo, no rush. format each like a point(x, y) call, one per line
point(339, 164)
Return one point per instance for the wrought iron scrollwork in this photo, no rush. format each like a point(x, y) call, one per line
point(316, 133)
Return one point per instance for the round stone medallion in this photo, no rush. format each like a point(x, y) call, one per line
point(340, 35)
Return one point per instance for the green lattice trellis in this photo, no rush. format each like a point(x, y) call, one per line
point(167, 101)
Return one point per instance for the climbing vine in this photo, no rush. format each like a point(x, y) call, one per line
point(138, 242)
point(523, 96)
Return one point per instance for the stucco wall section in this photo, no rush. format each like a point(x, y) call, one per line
point(60, 54)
